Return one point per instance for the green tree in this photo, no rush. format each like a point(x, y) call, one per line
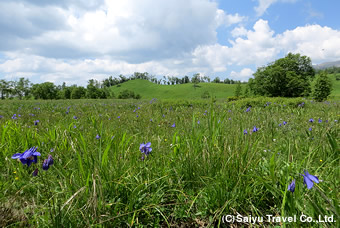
point(286, 77)
point(238, 90)
point(46, 90)
point(216, 80)
point(322, 87)
point(78, 92)
point(4, 88)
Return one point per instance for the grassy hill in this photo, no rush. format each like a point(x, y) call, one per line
point(149, 90)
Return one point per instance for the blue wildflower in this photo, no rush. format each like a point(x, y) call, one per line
point(145, 148)
point(255, 129)
point(320, 120)
point(118, 117)
point(174, 125)
point(311, 120)
point(291, 187)
point(47, 162)
point(284, 122)
point(248, 109)
point(309, 179)
point(198, 122)
point(280, 125)
point(28, 156)
point(97, 136)
point(14, 117)
point(245, 132)
point(310, 129)
point(74, 117)
point(36, 122)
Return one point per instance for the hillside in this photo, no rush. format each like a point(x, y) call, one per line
point(149, 90)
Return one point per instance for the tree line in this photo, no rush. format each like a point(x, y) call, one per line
point(24, 89)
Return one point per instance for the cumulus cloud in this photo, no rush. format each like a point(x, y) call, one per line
point(261, 46)
point(125, 30)
point(243, 75)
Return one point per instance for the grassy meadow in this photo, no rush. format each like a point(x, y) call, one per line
point(149, 90)
point(208, 159)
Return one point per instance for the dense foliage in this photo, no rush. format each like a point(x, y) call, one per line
point(286, 77)
point(322, 87)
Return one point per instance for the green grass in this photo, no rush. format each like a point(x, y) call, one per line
point(336, 86)
point(196, 173)
point(149, 90)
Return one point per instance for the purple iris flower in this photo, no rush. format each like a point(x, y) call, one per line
point(310, 129)
point(118, 117)
point(47, 162)
point(1, 116)
point(174, 125)
point(280, 125)
point(97, 137)
point(308, 179)
point(311, 120)
point(284, 122)
point(74, 117)
point(245, 132)
point(255, 129)
point(198, 122)
point(28, 156)
point(14, 117)
point(248, 109)
point(291, 187)
point(320, 121)
point(145, 148)
point(36, 122)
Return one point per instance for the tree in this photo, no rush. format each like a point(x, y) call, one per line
point(216, 80)
point(322, 87)
point(4, 88)
point(238, 90)
point(78, 92)
point(196, 79)
point(46, 90)
point(286, 77)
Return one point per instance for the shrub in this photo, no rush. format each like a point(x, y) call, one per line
point(322, 87)
point(205, 95)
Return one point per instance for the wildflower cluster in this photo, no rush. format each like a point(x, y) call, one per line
point(31, 156)
point(308, 180)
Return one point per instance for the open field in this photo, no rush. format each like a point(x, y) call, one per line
point(207, 160)
point(149, 90)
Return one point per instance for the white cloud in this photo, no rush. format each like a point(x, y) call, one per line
point(265, 4)
point(243, 75)
point(261, 46)
point(125, 30)
point(319, 43)
point(227, 19)
point(239, 31)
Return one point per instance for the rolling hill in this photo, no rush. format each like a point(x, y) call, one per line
point(149, 90)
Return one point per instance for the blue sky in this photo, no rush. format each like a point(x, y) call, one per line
point(73, 41)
